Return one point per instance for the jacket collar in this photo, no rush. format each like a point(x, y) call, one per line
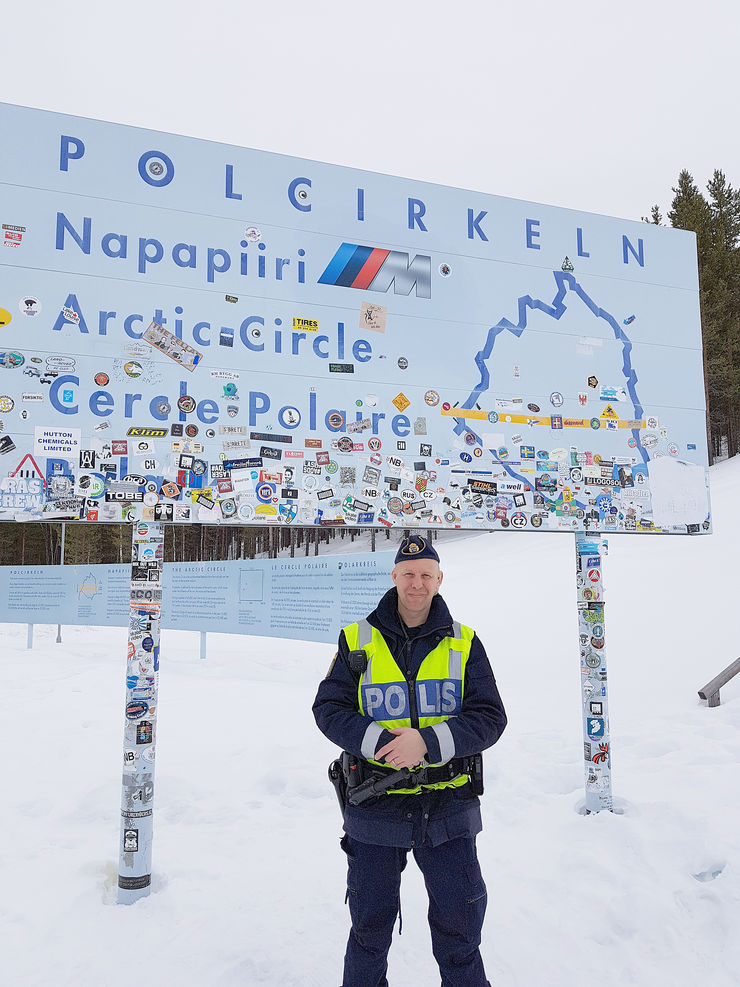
point(386, 618)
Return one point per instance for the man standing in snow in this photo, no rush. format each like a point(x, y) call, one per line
point(411, 698)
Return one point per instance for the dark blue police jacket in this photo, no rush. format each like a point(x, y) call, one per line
point(431, 816)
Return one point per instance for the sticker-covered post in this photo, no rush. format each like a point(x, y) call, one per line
point(594, 694)
point(142, 674)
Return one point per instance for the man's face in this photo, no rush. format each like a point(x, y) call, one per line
point(416, 582)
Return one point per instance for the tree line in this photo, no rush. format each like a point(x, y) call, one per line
point(715, 218)
point(86, 543)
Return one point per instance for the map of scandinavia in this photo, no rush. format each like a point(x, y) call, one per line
point(614, 457)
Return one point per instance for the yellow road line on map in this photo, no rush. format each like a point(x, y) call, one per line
point(505, 418)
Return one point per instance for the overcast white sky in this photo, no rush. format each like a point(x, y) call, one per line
point(577, 103)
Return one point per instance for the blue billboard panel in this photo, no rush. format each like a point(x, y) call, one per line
point(307, 599)
point(194, 332)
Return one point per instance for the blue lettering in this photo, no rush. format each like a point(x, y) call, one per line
point(637, 254)
point(65, 155)
point(361, 204)
point(244, 336)
point(101, 404)
point(122, 241)
point(62, 320)
point(197, 336)
point(82, 242)
point(293, 197)
point(177, 251)
point(128, 323)
point(213, 268)
point(416, 210)
point(230, 193)
point(579, 241)
point(159, 399)
point(155, 175)
point(320, 352)
point(532, 233)
point(56, 404)
point(473, 225)
point(145, 257)
point(207, 411)
point(362, 351)
point(259, 404)
point(400, 425)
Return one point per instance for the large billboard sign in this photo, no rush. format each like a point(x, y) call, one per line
point(191, 331)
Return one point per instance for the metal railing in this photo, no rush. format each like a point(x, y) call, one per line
point(710, 691)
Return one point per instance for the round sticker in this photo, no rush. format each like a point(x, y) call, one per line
point(466, 457)
point(503, 452)
point(29, 305)
point(335, 420)
point(431, 398)
point(332, 466)
point(445, 270)
point(163, 408)
point(403, 362)
point(246, 511)
point(186, 403)
point(595, 423)
point(150, 499)
point(253, 234)
point(345, 444)
point(199, 467)
point(534, 408)
point(6, 403)
point(492, 417)
point(191, 431)
point(556, 399)
point(477, 451)
point(469, 439)
point(11, 359)
point(133, 368)
point(5, 317)
point(102, 379)
point(446, 406)
point(371, 400)
point(374, 444)
point(536, 521)
point(395, 505)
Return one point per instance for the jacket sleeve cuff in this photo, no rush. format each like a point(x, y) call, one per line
point(383, 738)
point(433, 754)
point(445, 743)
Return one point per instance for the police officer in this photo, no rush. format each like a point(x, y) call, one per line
point(410, 688)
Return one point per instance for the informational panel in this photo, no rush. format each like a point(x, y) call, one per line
point(307, 599)
point(192, 331)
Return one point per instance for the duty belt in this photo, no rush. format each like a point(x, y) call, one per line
point(380, 779)
point(424, 775)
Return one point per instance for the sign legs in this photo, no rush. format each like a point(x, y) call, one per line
point(142, 675)
point(594, 694)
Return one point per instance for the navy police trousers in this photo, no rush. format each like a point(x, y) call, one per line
point(457, 905)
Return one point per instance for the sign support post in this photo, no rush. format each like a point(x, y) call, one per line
point(594, 693)
point(142, 675)
point(59, 626)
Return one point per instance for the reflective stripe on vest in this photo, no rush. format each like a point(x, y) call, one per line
point(383, 691)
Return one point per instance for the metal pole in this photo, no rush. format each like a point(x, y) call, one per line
point(59, 626)
point(203, 644)
point(142, 679)
point(596, 740)
point(29, 637)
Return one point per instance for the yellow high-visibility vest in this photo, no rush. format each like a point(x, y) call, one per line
point(435, 694)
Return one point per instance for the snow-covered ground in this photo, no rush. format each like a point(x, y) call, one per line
point(248, 882)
